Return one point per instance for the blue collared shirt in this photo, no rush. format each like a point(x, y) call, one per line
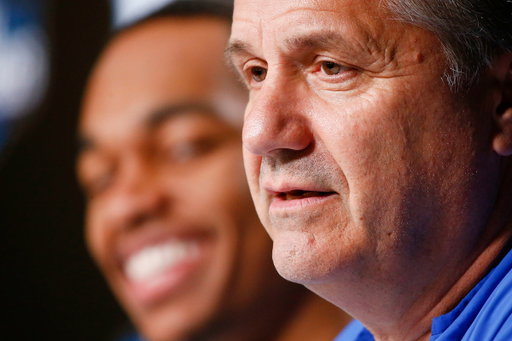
point(485, 314)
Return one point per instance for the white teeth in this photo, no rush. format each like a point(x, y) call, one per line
point(153, 260)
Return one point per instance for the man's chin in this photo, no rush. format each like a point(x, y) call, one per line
point(292, 260)
point(301, 258)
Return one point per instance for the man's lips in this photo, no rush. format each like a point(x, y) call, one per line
point(289, 191)
point(298, 200)
point(301, 194)
point(288, 198)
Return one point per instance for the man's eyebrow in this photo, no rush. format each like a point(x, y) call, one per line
point(237, 47)
point(319, 40)
point(153, 120)
point(161, 115)
point(309, 41)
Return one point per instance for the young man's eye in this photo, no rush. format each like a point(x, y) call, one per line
point(186, 151)
point(99, 184)
point(95, 173)
point(258, 73)
point(331, 68)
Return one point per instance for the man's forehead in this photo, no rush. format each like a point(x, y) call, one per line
point(270, 10)
point(351, 25)
point(288, 20)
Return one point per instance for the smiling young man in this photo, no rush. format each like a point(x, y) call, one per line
point(377, 143)
point(170, 220)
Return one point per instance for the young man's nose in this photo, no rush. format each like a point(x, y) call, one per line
point(138, 195)
point(275, 121)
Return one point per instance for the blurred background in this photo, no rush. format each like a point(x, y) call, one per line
point(50, 288)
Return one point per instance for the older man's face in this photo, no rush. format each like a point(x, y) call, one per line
point(359, 158)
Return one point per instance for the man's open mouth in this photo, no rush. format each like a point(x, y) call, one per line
point(299, 194)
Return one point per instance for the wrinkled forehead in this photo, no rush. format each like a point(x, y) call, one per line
point(287, 16)
point(265, 27)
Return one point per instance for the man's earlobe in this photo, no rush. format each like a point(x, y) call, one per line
point(502, 142)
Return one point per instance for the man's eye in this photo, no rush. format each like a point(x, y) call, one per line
point(95, 173)
point(97, 184)
point(331, 68)
point(186, 151)
point(101, 183)
point(258, 73)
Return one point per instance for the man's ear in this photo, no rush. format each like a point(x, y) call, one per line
point(502, 141)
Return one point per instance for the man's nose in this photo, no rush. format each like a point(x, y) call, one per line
point(137, 197)
point(276, 121)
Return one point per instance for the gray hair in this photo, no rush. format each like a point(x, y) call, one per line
point(472, 32)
